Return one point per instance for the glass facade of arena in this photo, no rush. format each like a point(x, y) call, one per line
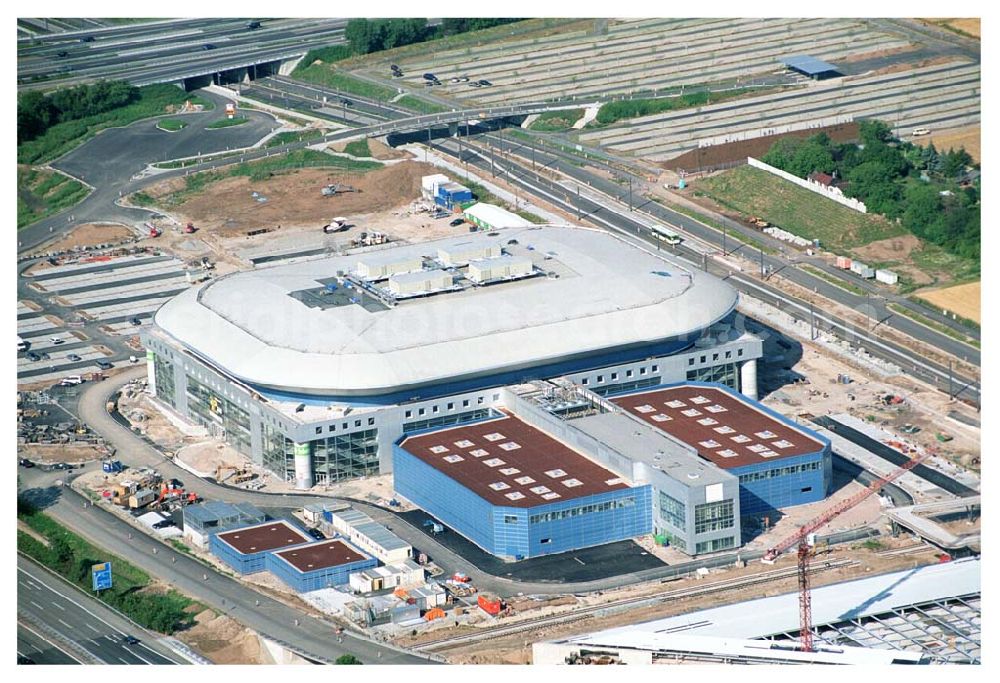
point(208, 408)
point(519, 533)
point(278, 451)
point(715, 545)
point(672, 511)
point(163, 374)
point(713, 516)
point(345, 456)
point(727, 373)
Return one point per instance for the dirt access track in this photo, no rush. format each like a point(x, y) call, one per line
point(293, 198)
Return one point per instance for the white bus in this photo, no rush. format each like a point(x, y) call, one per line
point(665, 235)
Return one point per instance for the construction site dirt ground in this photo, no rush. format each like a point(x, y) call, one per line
point(91, 235)
point(73, 454)
point(293, 198)
point(923, 407)
point(516, 648)
point(223, 640)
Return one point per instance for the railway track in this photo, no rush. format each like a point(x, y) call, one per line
point(626, 603)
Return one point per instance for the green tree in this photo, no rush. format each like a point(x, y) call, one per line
point(782, 152)
point(873, 130)
point(360, 34)
point(347, 659)
point(954, 162)
point(812, 155)
point(34, 115)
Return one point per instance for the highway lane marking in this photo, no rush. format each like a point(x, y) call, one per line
point(121, 660)
point(136, 654)
point(64, 623)
point(91, 627)
point(36, 605)
point(113, 629)
point(56, 604)
point(46, 640)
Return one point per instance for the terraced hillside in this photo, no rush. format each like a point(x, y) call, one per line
point(641, 54)
point(937, 96)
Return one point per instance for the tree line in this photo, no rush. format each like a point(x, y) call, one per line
point(917, 186)
point(37, 112)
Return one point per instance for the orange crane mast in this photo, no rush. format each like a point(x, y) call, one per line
point(805, 539)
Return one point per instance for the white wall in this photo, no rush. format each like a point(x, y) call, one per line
point(828, 192)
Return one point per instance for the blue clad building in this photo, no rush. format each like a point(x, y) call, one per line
point(779, 463)
point(517, 492)
point(318, 565)
point(246, 549)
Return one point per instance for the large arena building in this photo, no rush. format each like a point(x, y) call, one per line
point(316, 369)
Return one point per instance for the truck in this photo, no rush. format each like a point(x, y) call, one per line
point(111, 466)
point(491, 604)
point(338, 224)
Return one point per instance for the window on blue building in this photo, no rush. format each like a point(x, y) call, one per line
point(510, 519)
point(713, 516)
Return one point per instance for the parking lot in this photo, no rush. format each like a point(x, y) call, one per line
point(644, 54)
point(937, 96)
point(85, 305)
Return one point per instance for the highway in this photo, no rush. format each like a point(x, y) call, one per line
point(168, 51)
point(61, 625)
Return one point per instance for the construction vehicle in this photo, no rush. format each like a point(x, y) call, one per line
point(111, 466)
point(758, 222)
point(369, 239)
point(189, 229)
point(141, 498)
point(153, 230)
point(805, 539)
point(239, 475)
point(334, 189)
point(338, 224)
point(493, 605)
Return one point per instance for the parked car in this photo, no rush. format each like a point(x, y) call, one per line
point(104, 365)
point(56, 341)
point(62, 466)
point(430, 77)
point(163, 524)
point(73, 357)
point(317, 534)
point(33, 356)
point(457, 222)
point(24, 462)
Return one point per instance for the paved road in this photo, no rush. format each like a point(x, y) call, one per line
point(81, 627)
point(34, 646)
point(168, 51)
point(276, 620)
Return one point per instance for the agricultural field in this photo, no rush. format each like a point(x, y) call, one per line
point(965, 300)
point(747, 191)
point(41, 193)
point(969, 137)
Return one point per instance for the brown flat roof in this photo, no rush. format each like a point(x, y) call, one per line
point(320, 555)
point(726, 430)
point(262, 537)
point(508, 462)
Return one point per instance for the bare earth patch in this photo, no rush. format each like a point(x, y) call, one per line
point(91, 235)
point(224, 641)
point(966, 300)
point(895, 249)
point(294, 198)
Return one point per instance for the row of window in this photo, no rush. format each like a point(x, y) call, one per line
point(614, 375)
point(713, 516)
point(723, 374)
point(332, 427)
point(715, 357)
point(715, 545)
point(584, 510)
point(163, 375)
point(447, 420)
point(449, 406)
point(626, 386)
point(779, 472)
point(672, 511)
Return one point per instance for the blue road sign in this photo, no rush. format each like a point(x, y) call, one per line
point(101, 576)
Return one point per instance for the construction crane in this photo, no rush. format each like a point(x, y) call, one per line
point(805, 539)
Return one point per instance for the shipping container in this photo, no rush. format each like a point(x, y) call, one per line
point(886, 276)
point(490, 604)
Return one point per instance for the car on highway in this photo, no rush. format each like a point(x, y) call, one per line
point(317, 534)
point(62, 54)
point(87, 39)
point(73, 357)
point(104, 365)
point(346, 102)
point(430, 77)
point(457, 222)
point(253, 25)
point(208, 46)
point(33, 356)
point(24, 462)
point(131, 640)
